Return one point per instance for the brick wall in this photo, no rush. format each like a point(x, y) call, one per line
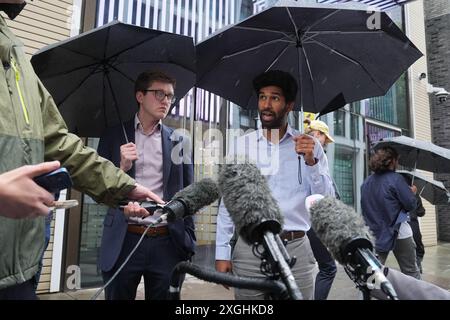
point(437, 13)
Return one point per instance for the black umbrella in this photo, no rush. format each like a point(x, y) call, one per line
point(331, 50)
point(91, 76)
point(431, 190)
point(418, 154)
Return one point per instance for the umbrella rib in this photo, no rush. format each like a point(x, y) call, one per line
point(264, 30)
point(277, 57)
point(135, 46)
point(122, 73)
point(274, 61)
point(313, 33)
point(293, 23)
point(96, 65)
point(106, 43)
point(344, 56)
point(310, 75)
point(255, 47)
point(322, 19)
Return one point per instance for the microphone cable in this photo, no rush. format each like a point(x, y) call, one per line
point(162, 218)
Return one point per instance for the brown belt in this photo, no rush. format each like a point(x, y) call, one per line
point(151, 232)
point(292, 235)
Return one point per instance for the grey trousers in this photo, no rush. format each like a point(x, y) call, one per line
point(246, 264)
point(405, 253)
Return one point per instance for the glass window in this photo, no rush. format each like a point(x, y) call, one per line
point(339, 123)
point(343, 173)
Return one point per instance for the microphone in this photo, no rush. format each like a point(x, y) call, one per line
point(249, 201)
point(191, 199)
point(256, 215)
point(345, 234)
point(185, 202)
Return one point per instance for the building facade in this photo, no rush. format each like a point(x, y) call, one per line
point(404, 110)
point(437, 16)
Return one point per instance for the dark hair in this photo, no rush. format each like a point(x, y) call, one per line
point(382, 159)
point(281, 79)
point(146, 79)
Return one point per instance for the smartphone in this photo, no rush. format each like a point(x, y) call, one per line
point(54, 181)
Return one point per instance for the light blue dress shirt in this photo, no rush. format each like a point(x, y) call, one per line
point(279, 164)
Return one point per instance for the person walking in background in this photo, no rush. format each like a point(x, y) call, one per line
point(417, 235)
point(415, 226)
point(386, 200)
point(148, 158)
point(327, 265)
point(319, 130)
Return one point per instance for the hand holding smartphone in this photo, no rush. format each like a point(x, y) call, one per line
point(54, 181)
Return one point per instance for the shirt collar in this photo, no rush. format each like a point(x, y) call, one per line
point(138, 126)
point(290, 132)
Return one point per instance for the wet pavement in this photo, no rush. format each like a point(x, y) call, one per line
point(436, 269)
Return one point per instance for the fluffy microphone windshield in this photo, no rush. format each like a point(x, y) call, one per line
point(248, 199)
point(336, 224)
point(198, 195)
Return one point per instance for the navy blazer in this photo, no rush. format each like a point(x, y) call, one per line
point(175, 178)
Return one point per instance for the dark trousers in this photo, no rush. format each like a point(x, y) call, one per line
point(420, 248)
point(154, 259)
point(23, 291)
point(327, 267)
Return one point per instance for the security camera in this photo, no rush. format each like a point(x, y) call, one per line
point(442, 95)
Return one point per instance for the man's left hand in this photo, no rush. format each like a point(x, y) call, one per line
point(304, 145)
point(142, 193)
point(133, 209)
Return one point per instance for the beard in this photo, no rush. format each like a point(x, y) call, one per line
point(276, 122)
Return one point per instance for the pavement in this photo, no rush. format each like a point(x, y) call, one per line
point(436, 269)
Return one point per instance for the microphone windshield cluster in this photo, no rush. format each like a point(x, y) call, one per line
point(198, 195)
point(337, 224)
point(249, 201)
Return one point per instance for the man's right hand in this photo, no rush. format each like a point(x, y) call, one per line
point(225, 267)
point(128, 154)
point(20, 196)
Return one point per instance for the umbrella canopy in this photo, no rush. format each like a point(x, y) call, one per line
point(431, 190)
point(91, 76)
point(418, 154)
point(332, 51)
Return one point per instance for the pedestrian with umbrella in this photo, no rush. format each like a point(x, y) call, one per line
point(335, 57)
point(91, 76)
point(418, 154)
point(431, 190)
point(275, 149)
point(147, 155)
point(329, 49)
point(386, 200)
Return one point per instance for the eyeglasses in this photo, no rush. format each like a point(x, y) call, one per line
point(161, 95)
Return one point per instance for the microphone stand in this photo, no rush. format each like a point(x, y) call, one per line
point(276, 287)
point(278, 258)
point(266, 233)
point(364, 269)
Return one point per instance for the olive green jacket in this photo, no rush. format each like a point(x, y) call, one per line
point(32, 131)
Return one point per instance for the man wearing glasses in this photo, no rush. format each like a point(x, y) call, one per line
point(147, 158)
